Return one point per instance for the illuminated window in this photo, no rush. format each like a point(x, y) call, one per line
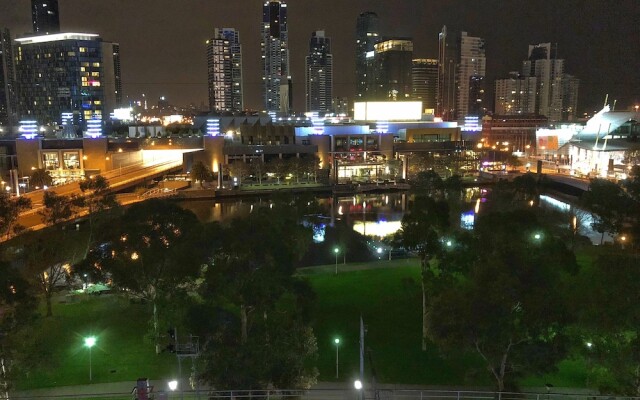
point(50, 160)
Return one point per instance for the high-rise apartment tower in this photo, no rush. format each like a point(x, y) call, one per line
point(275, 57)
point(224, 70)
point(319, 73)
point(367, 35)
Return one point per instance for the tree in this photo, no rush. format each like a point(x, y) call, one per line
point(56, 208)
point(200, 173)
point(428, 182)
point(258, 336)
point(278, 167)
point(46, 257)
point(507, 302)
point(296, 166)
point(156, 248)
point(608, 205)
point(258, 168)
point(605, 300)
point(239, 169)
point(310, 165)
point(514, 162)
point(10, 210)
point(421, 231)
point(40, 178)
point(97, 197)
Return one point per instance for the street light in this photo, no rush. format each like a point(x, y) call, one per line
point(357, 384)
point(173, 385)
point(336, 251)
point(337, 342)
point(90, 342)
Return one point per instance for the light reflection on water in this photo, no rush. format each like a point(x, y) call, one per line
point(378, 215)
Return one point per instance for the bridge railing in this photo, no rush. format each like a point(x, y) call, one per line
point(329, 394)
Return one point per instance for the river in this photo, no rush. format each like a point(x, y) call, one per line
point(375, 215)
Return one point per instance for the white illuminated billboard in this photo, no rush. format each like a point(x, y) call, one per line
point(388, 111)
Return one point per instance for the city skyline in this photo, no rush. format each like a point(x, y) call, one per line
point(174, 65)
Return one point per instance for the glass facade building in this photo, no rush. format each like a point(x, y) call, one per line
point(367, 35)
point(319, 73)
point(60, 73)
point(275, 57)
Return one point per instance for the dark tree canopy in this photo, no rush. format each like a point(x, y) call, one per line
point(508, 305)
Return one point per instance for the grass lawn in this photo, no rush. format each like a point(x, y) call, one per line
point(391, 310)
point(121, 352)
point(385, 293)
point(390, 307)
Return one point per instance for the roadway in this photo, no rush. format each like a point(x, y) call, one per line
point(119, 179)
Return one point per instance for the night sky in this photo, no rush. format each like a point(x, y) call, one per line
point(162, 42)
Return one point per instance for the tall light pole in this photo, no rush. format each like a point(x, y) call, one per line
point(336, 251)
point(337, 342)
point(90, 342)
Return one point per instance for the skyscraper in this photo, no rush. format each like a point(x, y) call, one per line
point(8, 112)
point(570, 86)
point(65, 72)
point(319, 73)
point(516, 95)
point(424, 82)
point(275, 56)
point(392, 65)
point(367, 35)
point(112, 81)
point(462, 68)
point(543, 63)
point(44, 16)
point(448, 59)
point(224, 70)
point(471, 73)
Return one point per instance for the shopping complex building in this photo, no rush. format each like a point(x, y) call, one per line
point(377, 144)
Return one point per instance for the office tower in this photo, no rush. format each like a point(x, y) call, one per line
point(570, 86)
point(543, 63)
point(62, 72)
point(112, 80)
point(392, 64)
point(448, 59)
point(367, 35)
point(424, 82)
point(319, 73)
point(44, 16)
point(471, 73)
point(462, 68)
point(275, 56)
point(8, 112)
point(516, 95)
point(224, 70)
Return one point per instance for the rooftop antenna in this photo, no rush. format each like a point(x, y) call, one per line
point(614, 105)
point(606, 98)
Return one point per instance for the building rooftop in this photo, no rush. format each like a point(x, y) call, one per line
point(57, 37)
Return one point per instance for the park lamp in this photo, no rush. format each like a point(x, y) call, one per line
point(90, 341)
point(357, 384)
point(173, 385)
point(336, 250)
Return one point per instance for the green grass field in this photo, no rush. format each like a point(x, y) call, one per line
point(121, 352)
point(385, 293)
